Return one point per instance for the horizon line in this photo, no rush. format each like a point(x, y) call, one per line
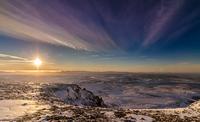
point(62, 71)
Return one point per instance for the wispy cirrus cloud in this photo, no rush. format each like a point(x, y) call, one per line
point(12, 57)
point(161, 18)
point(101, 25)
point(53, 23)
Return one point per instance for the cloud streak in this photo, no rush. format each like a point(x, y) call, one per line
point(100, 26)
point(12, 57)
point(52, 23)
point(161, 18)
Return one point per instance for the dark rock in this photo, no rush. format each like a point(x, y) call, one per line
point(120, 114)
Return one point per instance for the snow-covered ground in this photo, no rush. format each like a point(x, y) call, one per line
point(145, 91)
point(11, 109)
point(131, 97)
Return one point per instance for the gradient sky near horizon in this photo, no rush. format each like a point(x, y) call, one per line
point(101, 35)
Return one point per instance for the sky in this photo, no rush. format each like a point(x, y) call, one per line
point(100, 35)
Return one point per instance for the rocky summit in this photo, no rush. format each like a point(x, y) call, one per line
point(73, 94)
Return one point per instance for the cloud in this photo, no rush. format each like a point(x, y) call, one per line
point(11, 59)
point(5, 56)
point(53, 23)
point(96, 26)
point(161, 18)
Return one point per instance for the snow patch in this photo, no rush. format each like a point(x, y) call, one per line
point(11, 109)
point(140, 118)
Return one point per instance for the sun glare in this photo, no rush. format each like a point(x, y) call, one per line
point(37, 62)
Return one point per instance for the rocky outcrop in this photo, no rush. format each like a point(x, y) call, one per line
point(73, 94)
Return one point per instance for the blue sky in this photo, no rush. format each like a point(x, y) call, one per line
point(101, 35)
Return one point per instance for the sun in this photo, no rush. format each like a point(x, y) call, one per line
point(37, 62)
